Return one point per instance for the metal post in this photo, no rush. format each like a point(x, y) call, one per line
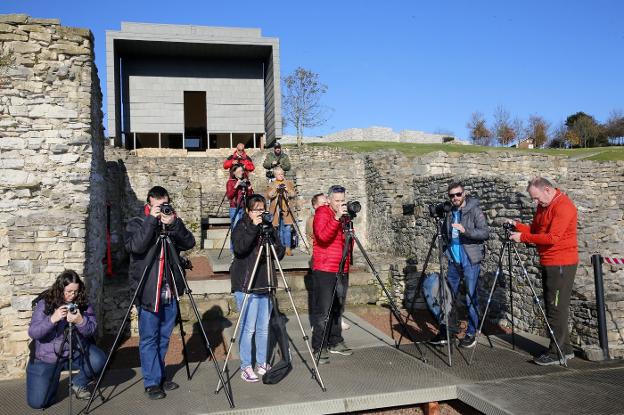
point(159, 141)
point(231, 143)
point(134, 138)
point(254, 140)
point(183, 140)
point(596, 260)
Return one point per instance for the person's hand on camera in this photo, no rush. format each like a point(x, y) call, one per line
point(167, 219)
point(342, 211)
point(511, 221)
point(59, 314)
point(274, 163)
point(238, 182)
point(257, 220)
point(75, 318)
point(155, 212)
point(459, 227)
point(515, 236)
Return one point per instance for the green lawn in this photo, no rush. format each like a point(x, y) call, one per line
point(411, 150)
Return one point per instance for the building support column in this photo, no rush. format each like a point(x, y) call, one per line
point(231, 143)
point(159, 140)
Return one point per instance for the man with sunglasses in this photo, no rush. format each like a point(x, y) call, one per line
point(467, 230)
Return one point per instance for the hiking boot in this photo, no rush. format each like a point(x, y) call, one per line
point(341, 348)
point(155, 392)
point(439, 339)
point(81, 392)
point(248, 375)
point(263, 368)
point(169, 385)
point(468, 341)
point(324, 358)
point(547, 359)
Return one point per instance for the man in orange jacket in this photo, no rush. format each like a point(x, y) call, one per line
point(553, 232)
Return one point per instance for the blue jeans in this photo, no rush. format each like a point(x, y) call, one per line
point(254, 320)
point(154, 332)
point(41, 377)
point(233, 222)
point(470, 273)
point(284, 232)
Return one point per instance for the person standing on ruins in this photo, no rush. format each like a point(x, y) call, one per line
point(239, 157)
point(553, 232)
point(276, 158)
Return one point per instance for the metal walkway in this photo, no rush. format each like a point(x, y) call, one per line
point(500, 381)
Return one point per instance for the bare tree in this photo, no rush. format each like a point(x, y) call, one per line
point(614, 128)
point(302, 101)
point(503, 129)
point(559, 137)
point(479, 133)
point(519, 130)
point(537, 129)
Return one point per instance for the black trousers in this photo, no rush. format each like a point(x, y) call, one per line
point(557, 282)
point(322, 301)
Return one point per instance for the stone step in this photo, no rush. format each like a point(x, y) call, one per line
point(299, 260)
point(217, 244)
point(217, 233)
point(213, 221)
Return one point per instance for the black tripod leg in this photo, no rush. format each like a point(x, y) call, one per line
point(418, 287)
point(182, 337)
point(499, 271)
point(173, 256)
point(393, 306)
point(510, 265)
point(151, 256)
point(230, 228)
point(292, 215)
point(221, 204)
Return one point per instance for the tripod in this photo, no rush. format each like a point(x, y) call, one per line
point(240, 207)
point(164, 246)
point(350, 239)
point(508, 246)
point(267, 245)
point(281, 197)
point(438, 240)
point(68, 339)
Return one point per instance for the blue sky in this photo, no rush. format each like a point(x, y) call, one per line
point(410, 64)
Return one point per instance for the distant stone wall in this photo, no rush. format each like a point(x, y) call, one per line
point(373, 134)
point(400, 191)
point(51, 171)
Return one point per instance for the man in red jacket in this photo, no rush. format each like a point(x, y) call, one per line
point(239, 157)
point(553, 232)
point(329, 241)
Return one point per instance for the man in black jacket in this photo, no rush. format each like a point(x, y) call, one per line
point(156, 300)
point(467, 230)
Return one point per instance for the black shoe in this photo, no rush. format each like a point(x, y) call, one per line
point(324, 358)
point(469, 340)
point(155, 392)
point(439, 339)
point(169, 385)
point(547, 359)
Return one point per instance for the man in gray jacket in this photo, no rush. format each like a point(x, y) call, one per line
point(467, 230)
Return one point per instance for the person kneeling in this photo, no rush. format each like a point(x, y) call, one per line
point(64, 303)
point(247, 239)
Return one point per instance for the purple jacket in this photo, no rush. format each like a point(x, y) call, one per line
point(49, 336)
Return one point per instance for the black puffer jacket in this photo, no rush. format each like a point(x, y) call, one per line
point(246, 240)
point(140, 241)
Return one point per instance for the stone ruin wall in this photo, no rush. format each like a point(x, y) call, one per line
point(51, 170)
point(400, 190)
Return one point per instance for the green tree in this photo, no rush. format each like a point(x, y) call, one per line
point(537, 129)
point(585, 130)
point(301, 101)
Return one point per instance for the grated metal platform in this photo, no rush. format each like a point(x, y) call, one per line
point(500, 381)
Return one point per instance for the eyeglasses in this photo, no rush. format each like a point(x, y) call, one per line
point(257, 210)
point(452, 195)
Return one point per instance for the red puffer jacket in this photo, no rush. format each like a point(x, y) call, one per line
point(328, 241)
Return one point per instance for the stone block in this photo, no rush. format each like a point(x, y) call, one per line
point(24, 47)
point(13, 18)
point(22, 302)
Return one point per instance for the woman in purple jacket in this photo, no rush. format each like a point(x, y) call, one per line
point(51, 316)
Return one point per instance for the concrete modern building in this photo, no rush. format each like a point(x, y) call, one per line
point(193, 87)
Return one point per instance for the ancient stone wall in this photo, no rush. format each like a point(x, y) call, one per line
point(51, 170)
point(400, 191)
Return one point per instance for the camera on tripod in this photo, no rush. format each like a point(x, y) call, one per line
point(439, 210)
point(509, 226)
point(267, 220)
point(270, 174)
point(244, 184)
point(353, 208)
point(281, 188)
point(72, 308)
point(166, 209)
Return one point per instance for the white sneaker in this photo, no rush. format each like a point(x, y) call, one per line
point(248, 375)
point(345, 326)
point(263, 368)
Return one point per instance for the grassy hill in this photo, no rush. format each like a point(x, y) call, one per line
point(412, 150)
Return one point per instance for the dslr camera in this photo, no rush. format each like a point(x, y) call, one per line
point(509, 226)
point(281, 188)
point(353, 208)
point(72, 308)
point(244, 184)
point(166, 209)
point(270, 174)
point(439, 210)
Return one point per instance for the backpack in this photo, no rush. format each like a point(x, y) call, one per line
point(431, 292)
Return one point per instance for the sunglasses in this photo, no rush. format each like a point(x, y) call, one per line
point(452, 195)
